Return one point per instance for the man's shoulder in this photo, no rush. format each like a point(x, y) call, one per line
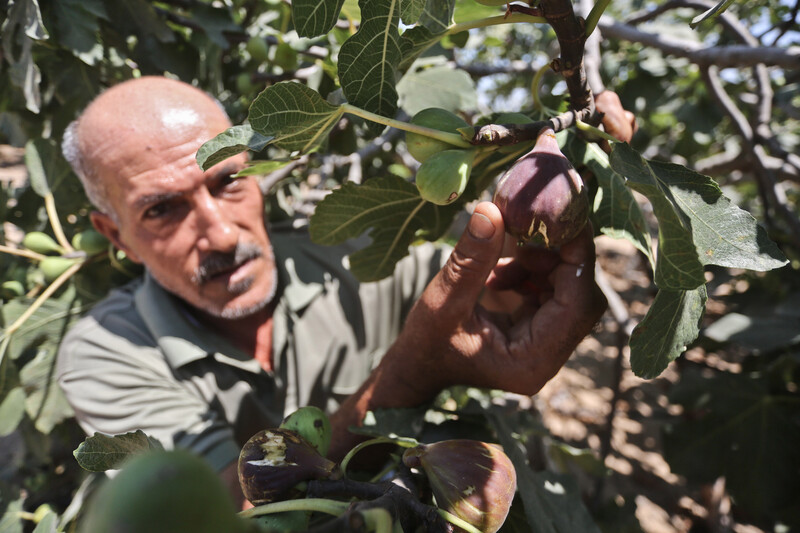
point(113, 318)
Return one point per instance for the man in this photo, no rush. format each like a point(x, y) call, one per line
point(234, 326)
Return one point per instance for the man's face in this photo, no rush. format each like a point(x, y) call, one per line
point(200, 234)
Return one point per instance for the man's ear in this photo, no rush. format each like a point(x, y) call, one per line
point(105, 225)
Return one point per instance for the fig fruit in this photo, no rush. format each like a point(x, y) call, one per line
point(90, 241)
point(42, 243)
point(470, 479)
point(273, 461)
point(12, 289)
point(54, 266)
point(443, 176)
point(313, 425)
point(164, 491)
point(542, 197)
point(257, 48)
point(421, 147)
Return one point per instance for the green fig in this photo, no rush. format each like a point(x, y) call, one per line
point(42, 243)
point(12, 289)
point(273, 461)
point(421, 147)
point(257, 48)
point(313, 425)
point(90, 241)
point(470, 479)
point(542, 197)
point(442, 177)
point(163, 492)
point(54, 266)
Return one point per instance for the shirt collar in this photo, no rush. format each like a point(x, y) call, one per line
point(183, 339)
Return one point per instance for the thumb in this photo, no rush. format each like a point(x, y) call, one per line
point(457, 286)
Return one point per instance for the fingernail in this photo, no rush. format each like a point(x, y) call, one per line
point(480, 227)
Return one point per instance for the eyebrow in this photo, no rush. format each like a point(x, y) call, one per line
point(153, 199)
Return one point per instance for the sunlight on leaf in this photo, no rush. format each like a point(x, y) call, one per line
point(230, 142)
point(313, 18)
point(99, 452)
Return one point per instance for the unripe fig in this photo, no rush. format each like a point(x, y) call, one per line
point(12, 289)
point(274, 461)
point(313, 425)
point(42, 243)
point(90, 241)
point(421, 147)
point(257, 48)
point(542, 197)
point(443, 176)
point(164, 491)
point(470, 479)
point(54, 266)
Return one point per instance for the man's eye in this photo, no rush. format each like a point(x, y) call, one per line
point(157, 211)
point(227, 183)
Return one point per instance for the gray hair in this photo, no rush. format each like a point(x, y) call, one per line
point(95, 188)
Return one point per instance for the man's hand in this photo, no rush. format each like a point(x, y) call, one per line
point(456, 341)
point(617, 121)
point(450, 339)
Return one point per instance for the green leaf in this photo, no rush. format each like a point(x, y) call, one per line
point(99, 452)
point(215, 22)
point(616, 212)
point(368, 60)
point(10, 521)
point(293, 115)
point(415, 41)
point(670, 325)
point(438, 15)
point(48, 523)
point(552, 501)
point(22, 26)
point(230, 142)
point(760, 333)
point(735, 426)
point(77, 25)
point(313, 18)
point(393, 212)
point(410, 10)
point(45, 166)
point(45, 402)
point(12, 409)
point(255, 168)
point(440, 86)
point(697, 224)
point(711, 13)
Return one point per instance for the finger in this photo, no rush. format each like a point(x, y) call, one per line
point(457, 286)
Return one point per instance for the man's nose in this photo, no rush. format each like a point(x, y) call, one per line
point(217, 232)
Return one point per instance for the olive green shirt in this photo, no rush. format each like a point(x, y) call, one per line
point(140, 360)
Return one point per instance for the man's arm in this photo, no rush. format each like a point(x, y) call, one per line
point(449, 339)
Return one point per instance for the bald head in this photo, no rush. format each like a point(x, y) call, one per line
point(138, 115)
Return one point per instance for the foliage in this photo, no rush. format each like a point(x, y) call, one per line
point(712, 148)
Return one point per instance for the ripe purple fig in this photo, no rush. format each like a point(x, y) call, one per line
point(542, 197)
point(274, 461)
point(470, 479)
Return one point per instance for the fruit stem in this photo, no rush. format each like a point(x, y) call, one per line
point(58, 231)
point(588, 128)
point(322, 505)
point(450, 138)
point(594, 15)
point(378, 519)
point(410, 443)
point(30, 254)
point(493, 21)
point(53, 287)
point(456, 521)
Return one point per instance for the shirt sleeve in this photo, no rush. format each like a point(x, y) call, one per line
point(119, 383)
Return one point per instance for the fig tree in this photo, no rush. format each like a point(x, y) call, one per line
point(164, 492)
point(421, 147)
point(542, 197)
point(470, 479)
point(443, 176)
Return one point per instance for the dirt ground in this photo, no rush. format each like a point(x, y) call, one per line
point(576, 406)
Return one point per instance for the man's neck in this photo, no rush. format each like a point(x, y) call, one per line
point(252, 334)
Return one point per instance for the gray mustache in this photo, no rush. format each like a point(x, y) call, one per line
point(218, 262)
